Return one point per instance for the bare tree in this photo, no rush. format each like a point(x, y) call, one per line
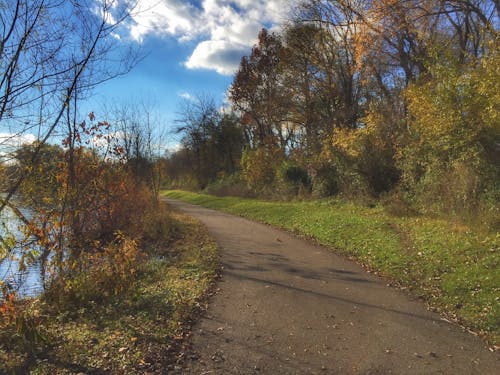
point(52, 53)
point(138, 131)
point(212, 140)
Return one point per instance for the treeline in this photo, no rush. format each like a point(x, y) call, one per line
point(384, 99)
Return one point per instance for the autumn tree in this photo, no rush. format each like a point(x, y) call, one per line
point(303, 77)
point(260, 95)
point(81, 208)
point(450, 162)
point(51, 51)
point(384, 47)
point(52, 54)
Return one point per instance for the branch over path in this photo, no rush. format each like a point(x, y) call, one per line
point(286, 306)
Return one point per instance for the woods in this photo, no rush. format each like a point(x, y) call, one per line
point(374, 99)
point(387, 108)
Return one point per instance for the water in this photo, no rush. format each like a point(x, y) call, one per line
point(27, 283)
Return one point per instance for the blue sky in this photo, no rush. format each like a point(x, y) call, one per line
point(192, 47)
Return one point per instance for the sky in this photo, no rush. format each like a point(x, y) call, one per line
point(191, 47)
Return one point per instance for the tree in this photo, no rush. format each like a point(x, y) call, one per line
point(373, 51)
point(52, 52)
point(259, 94)
point(303, 77)
point(450, 162)
point(135, 129)
point(212, 140)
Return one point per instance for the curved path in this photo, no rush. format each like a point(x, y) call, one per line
point(286, 306)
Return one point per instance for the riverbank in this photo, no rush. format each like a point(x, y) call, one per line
point(140, 330)
point(454, 268)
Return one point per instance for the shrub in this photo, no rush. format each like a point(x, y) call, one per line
point(450, 160)
point(158, 227)
point(100, 273)
point(292, 178)
point(231, 185)
point(258, 168)
point(326, 181)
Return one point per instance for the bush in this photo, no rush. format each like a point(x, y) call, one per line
point(450, 160)
point(100, 274)
point(292, 178)
point(258, 168)
point(396, 204)
point(232, 185)
point(326, 181)
point(159, 227)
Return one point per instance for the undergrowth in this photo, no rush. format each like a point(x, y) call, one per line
point(137, 330)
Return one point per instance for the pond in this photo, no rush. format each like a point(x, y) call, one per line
point(27, 283)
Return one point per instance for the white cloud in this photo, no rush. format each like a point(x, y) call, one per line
point(219, 55)
point(173, 148)
point(225, 29)
point(13, 140)
point(163, 18)
point(187, 96)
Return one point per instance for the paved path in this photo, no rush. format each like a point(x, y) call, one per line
point(286, 306)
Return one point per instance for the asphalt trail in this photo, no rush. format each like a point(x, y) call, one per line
point(286, 306)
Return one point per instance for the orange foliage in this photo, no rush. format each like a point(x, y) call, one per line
point(7, 308)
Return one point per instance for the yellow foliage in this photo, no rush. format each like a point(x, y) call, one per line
point(450, 160)
point(258, 166)
point(454, 114)
point(349, 141)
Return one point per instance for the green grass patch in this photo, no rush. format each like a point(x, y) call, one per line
point(452, 266)
point(137, 331)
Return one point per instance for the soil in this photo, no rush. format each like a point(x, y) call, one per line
point(287, 306)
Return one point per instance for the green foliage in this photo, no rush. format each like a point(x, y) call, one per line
point(453, 266)
point(293, 178)
point(293, 173)
point(231, 185)
point(326, 181)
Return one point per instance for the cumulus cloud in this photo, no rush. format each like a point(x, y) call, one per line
point(163, 17)
point(219, 55)
point(223, 29)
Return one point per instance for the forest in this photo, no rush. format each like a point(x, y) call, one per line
point(393, 101)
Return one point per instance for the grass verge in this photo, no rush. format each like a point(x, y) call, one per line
point(453, 267)
point(140, 330)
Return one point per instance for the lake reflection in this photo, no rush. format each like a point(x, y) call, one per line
point(27, 283)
